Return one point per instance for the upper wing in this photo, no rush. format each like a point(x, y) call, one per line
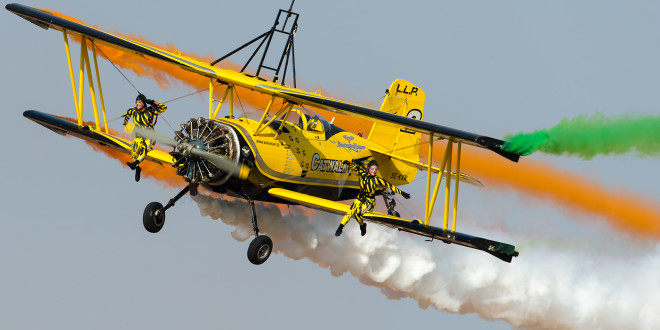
point(500, 250)
point(438, 131)
point(88, 133)
point(47, 20)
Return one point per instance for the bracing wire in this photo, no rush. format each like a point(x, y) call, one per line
point(137, 90)
point(189, 94)
point(113, 64)
point(239, 102)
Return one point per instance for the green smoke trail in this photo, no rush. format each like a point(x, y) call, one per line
point(586, 137)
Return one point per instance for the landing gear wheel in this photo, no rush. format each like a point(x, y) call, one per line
point(260, 249)
point(153, 217)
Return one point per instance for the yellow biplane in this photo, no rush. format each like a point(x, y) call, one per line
point(292, 155)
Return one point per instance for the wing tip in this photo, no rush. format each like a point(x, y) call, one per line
point(495, 145)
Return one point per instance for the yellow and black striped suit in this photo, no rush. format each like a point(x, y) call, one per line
point(144, 119)
point(366, 200)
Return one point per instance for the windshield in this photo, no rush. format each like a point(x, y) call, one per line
point(308, 120)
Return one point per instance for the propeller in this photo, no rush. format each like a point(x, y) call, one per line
point(186, 149)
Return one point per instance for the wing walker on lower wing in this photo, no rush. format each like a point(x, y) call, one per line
point(292, 155)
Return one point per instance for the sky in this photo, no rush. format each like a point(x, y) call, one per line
point(74, 253)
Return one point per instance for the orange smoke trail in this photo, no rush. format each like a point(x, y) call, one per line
point(165, 74)
point(621, 209)
point(165, 175)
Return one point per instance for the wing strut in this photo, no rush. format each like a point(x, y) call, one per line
point(286, 109)
point(431, 195)
point(78, 95)
point(229, 91)
point(214, 113)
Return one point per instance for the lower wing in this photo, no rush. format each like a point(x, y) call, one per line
point(500, 250)
point(64, 127)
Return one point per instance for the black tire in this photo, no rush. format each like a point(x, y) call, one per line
point(153, 217)
point(260, 249)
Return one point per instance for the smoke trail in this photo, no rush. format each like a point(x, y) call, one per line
point(164, 175)
point(619, 208)
point(545, 288)
point(586, 137)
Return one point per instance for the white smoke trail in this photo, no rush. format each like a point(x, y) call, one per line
point(544, 288)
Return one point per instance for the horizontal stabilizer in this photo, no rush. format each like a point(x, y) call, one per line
point(424, 167)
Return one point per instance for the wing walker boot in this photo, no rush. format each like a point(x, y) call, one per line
point(338, 232)
point(132, 165)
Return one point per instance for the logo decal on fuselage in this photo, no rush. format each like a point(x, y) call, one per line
point(351, 147)
point(328, 165)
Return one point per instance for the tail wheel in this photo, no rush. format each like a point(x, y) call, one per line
point(153, 217)
point(260, 249)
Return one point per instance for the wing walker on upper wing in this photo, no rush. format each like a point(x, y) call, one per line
point(292, 155)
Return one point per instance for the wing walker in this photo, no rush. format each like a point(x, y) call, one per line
point(292, 155)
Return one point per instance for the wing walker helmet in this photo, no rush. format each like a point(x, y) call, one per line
point(142, 98)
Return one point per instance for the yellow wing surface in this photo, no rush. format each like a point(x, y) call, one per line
point(88, 133)
point(500, 250)
point(294, 95)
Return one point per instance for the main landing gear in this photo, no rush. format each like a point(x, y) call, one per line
point(261, 246)
point(153, 219)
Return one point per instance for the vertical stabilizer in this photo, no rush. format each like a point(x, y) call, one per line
point(404, 99)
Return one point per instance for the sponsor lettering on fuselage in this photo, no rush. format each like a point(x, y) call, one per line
point(274, 144)
point(328, 165)
point(351, 147)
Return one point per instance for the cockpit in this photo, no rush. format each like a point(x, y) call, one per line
point(306, 121)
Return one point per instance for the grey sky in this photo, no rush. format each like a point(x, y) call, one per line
point(72, 248)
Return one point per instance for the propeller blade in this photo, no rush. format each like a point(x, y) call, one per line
point(220, 162)
point(154, 136)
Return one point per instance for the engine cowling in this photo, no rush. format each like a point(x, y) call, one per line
point(210, 136)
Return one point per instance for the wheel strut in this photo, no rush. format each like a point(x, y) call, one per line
point(254, 217)
point(261, 246)
point(253, 213)
point(176, 198)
